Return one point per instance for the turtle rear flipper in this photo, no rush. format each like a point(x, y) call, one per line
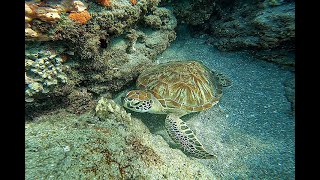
point(184, 136)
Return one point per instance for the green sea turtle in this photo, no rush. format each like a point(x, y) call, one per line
point(177, 88)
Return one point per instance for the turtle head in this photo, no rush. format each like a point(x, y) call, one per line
point(139, 101)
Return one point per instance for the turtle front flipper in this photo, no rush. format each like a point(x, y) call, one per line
point(184, 136)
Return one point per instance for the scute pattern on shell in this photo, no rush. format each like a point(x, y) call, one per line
point(187, 85)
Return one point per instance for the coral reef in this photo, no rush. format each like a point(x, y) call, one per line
point(49, 79)
point(35, 11)
point(110, 43)
point(45, 14)
point(43, 69)
point(111, 145)
point(124, 59)
point(51, 12)
point(87, 37)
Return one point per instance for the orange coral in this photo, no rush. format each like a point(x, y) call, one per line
point(80, 17)
point(105, 2)
point(133, 2)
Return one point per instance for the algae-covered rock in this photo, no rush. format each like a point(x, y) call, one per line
point(89, 39)
point(124, 59)
point(264, 28)
point(109, 50)
point(110, 145)
point(195, 12)
point(80, 101)
point(161, 18)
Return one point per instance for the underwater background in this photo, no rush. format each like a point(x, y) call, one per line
point(81, 57)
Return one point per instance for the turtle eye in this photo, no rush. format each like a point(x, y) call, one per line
point(129, 99)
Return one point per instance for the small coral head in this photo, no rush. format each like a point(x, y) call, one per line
point(138, 101)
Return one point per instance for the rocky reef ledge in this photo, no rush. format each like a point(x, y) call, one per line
point(79, 50)
point(105, 144)
point(265, 28)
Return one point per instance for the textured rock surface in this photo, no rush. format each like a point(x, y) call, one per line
point(105, 53)
point(111, 145)
point(267, 28)
point(195, 12)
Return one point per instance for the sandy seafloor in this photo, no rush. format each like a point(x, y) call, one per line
point(251, 129)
